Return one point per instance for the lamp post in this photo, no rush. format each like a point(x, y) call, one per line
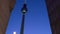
point(24, 10)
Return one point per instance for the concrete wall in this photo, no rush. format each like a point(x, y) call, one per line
point(5, 8)
point(53, 7)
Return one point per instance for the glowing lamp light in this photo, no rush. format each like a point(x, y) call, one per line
point(14, 32)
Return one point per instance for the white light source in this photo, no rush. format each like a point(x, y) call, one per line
point(24, 11)
point(14, 32)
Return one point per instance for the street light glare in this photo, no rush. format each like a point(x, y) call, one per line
point(14, 32)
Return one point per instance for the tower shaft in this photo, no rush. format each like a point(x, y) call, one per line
point(22, 24)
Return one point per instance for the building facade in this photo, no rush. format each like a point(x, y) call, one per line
point(53, 7)
point(6, 7)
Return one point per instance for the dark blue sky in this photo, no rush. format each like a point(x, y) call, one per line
point(36, 20)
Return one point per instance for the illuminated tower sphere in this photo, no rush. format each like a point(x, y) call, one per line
point(24, 9)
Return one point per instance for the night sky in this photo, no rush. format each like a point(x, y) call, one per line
point(36, 19)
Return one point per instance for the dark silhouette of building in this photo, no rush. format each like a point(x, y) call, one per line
point(6, 7)
point(53, 7)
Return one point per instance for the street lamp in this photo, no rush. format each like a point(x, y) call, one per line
point(24, 10)
point(14, 32)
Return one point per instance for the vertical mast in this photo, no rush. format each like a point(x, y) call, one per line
point(22, 25)
point(24, 1)
point(24, 10)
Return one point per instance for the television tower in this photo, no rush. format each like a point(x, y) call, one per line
point(24, 10)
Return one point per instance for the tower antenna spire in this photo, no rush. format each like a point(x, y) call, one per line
point(24, 1)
